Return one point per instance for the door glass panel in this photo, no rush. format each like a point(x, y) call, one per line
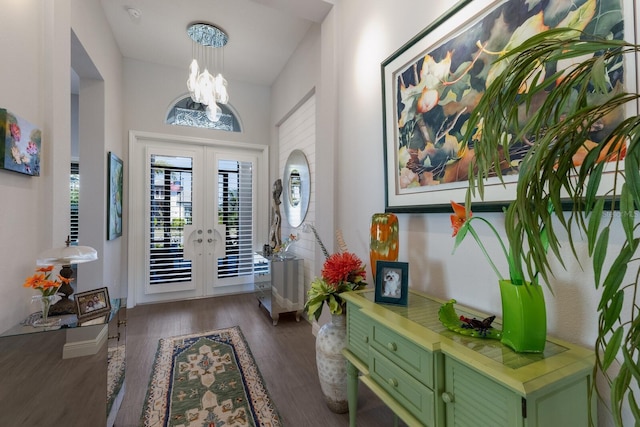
point(171, 209)
point(235, 211)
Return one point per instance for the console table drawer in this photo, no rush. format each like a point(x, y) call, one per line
point(358, 329)
point(403, 387)
point(416, 360)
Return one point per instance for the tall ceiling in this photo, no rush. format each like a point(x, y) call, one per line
point(262, 33)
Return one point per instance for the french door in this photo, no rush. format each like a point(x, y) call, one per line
point(199, 221)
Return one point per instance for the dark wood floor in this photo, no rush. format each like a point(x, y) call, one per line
point(285, 355)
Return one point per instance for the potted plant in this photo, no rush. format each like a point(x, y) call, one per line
point(589, 185)
point(524, 314)
point(341, 272)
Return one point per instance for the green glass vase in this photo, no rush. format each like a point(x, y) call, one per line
point(524, 317)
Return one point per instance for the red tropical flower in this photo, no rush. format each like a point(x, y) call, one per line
point(341, 272)
point(343, 267)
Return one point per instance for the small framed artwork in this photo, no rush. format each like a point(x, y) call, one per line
point(92, 304)
point(20, 144)
point(114, 204)
point(392, 282)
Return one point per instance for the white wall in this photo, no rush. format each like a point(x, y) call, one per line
point(22, 234)
point(296, 82)
point(312, 69)
point(36, 35)
point(100, 131)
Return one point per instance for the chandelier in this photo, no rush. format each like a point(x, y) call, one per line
point(208, 43)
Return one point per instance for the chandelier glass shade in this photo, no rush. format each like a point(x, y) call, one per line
point(208, 43)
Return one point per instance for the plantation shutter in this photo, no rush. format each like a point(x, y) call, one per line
point(235, 210)
point(74, 192)
point(171, 184)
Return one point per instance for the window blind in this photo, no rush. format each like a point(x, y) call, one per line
point(235, 210)
point(74, 193)
point(171, 208)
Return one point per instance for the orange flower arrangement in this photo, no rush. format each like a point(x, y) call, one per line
point(41, 281)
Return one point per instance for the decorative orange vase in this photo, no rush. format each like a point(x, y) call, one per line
point(384, 240)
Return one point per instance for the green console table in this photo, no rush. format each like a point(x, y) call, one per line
point(430, 376)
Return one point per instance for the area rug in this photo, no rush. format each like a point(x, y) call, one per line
point(115, 373)
point(207, 379)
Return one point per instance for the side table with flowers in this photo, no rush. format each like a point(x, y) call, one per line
point(48, 289)
point(341, 272)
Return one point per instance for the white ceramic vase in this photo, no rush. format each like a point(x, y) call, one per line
point(332, 366)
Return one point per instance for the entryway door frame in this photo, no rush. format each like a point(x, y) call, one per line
point(138, 190)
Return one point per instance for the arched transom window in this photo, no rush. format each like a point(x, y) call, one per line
point(186, 112)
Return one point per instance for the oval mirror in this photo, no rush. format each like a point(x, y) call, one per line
point(296, 185)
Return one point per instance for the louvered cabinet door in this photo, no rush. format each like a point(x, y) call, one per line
point(473, 400)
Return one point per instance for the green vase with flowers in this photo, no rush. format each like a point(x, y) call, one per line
point(524, 315)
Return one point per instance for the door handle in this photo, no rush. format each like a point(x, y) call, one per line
point(192, 245)
point(219, 231)
point(447, 397)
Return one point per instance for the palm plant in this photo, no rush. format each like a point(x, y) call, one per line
point(589, 185)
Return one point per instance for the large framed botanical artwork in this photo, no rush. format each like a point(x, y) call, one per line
point(431, 85)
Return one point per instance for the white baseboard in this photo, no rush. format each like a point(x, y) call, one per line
point(84, 347)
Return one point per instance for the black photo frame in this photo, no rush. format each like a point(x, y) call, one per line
point(392, 282)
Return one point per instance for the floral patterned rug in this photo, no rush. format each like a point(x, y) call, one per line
point(207, 379)
point(115, 373)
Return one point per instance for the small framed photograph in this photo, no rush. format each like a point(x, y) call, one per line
point(92, 304)
point(392, 282)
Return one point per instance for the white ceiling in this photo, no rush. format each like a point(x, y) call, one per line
point(262, 33)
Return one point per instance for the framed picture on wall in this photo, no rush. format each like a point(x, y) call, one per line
point(432, 83)
point(20, 144)
point(114, 203)
point(392, 282)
